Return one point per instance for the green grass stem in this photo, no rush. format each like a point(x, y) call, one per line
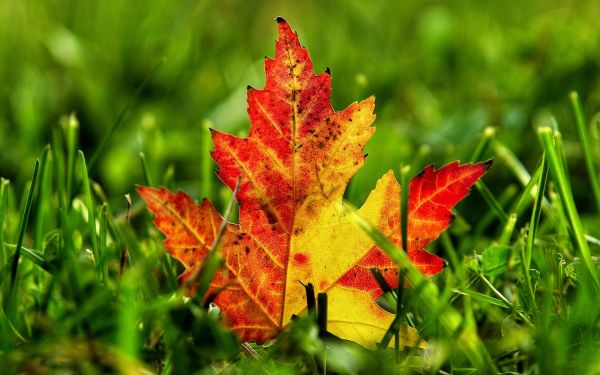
point(72, 134)
point(486, 140)
point(44, 207)
point(504, 299)
point(559, 175)
point(13, 296)
point(480, 297)
point(23, 227)
point(4, 184)
point(89, 202)
point(59, 168)
point(508, 230)
point(492, 202)
point(147, 176)
point(585, 148)
point(207, 168)
point(536, 212)
point(103, 253)
point(404, 192)
point(529, 193)
point(512, 162)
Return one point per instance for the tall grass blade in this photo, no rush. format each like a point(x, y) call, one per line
point(207, 169)
point(586, 149)
point(484, 144)
point(12, 294)
point(559, 175)
point(72, 134)
point(44, 200)
point(89, 202)
point(147, 176)
point(3, 208)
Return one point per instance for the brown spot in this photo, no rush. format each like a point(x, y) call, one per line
point(247, 249)
point(271, 218)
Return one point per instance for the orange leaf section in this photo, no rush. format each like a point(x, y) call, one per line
point(432, 194)
point(295, 166)
point(190, 230)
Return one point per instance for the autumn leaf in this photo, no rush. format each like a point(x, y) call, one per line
point(295, 166)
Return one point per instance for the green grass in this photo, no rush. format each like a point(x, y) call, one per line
point(93, 103)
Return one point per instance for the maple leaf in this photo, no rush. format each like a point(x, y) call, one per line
point(295, 166)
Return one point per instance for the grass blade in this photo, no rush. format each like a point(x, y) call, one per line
point(536, 213)
point(44, 197)
point(89, 202)
point(559, 176)
point(22, 228)
point(483, 298)
point(72, 132)
point(484, 144)
point(491, 201)
point(207, 169)
point(586, 149)
point(147, 177)
point(3, 203)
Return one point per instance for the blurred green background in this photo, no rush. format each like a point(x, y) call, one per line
point(441, 72)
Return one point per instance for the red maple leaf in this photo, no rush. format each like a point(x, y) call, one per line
point(295, 166)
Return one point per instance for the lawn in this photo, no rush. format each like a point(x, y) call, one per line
point(97, 98)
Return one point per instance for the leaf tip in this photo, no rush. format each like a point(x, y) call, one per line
point(328, 71)
point(143, 190)
point(487, 164)
point(422, 171)
point(280, 19)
